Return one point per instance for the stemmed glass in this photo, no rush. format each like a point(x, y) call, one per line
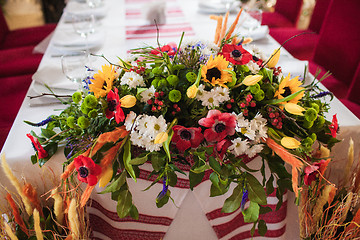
point(253, 19)
point(94, 3)
point(74, 67)
point(84, 24)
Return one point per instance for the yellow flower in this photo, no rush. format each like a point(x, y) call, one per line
point(161, 137)
point(213, 72)
point(192, 91)
point(103, 81)
point(294, 109)
point(274, 58)
point(128, 101)
point(106, 177)
point(290, 143)
point(289, 86)
point(252, 80)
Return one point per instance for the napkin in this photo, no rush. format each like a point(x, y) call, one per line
point(218, 6)
point(74, 7)
point(68, 39)
point(256, 34)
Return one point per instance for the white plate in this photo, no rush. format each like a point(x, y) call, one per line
point(217, 6)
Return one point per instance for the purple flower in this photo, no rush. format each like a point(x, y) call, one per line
point(244, 199)
point(164, 190)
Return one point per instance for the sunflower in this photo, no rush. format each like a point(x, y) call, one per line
point(103, 81)
point(289, 86)
point(215, 71)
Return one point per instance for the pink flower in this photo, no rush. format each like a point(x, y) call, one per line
point(185, 138)
point(312, 171)
point(38, 148)
point(114, 107)
point(170, 49)
point(219, 125)
point(221, 147)
point(88, 171)
point(236, 54)
point(334, 126)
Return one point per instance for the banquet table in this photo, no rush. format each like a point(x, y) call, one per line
point(193, 215)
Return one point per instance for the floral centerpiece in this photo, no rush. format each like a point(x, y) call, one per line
point(208, 106)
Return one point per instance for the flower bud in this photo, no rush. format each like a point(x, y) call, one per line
point(192, 91)
point(252, 80)
point(128, 101)
point(161, 137)
point(274, 58)
point(294, 109)
point(290, 142)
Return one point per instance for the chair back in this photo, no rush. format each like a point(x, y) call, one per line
point(4, 29)
point(318, 15)
point(289, 8)
point(338, 48)
point(354, 90)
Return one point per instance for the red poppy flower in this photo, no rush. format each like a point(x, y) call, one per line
point(236, 54)
point(219, 125)
point(185, 138)
point(37, 146)
point(312, 171)
point(88, 171)
point(222, 146)
point(334, 126)
point(114, 107)
point(170, 49)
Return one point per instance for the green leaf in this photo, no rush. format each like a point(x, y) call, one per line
point(256, 190)
point(200, 169)
point(127, 159)
point(215, 165)
point(233, 202)
point(124, 203)
point(34, 159)
point(264, 210)
point(134, 213)
point(251, 214)
point(47, 133)
point(269, 185)
point(139, 160)
point(158, 161)
point(166, 144)
point(172, 178)
point(164, 200)
point(195, 178)
point(262, 228)
point(217, 188)
point(285, 99)
point(116, 185)
point(252, 231)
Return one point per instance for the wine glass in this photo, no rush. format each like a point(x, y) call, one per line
point(84, 24)
point(253, 19)
point(94, 3)
point(74, 67)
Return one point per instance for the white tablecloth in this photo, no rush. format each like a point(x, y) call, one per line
point(186, 219)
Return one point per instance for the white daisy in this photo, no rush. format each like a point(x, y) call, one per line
point(239, 146)
point(255, 149)
point(148, 94)
point(138, 139)
point(130, 121)
point(241, 123)
point(253, 67)
point(132, 79)
point(155, 126)
point(221, 94)
point(201, 92)
point(152, 147)
point(143, 126)
point(209, 100)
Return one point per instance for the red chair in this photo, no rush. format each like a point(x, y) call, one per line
point(13, 92)
point(22, 37)
point(338, 48)
point(18, 61)
point(286, 14)
point(352, 100)
point(303, 46)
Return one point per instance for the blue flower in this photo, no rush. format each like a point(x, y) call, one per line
point(244, 199)
point(164, 190)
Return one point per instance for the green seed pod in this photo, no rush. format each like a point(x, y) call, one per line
point(76, 97)
point(163, 83)
point(157, 70)
point(174, 95)
point(310, 114)
point(173, 80)
point(315, 106)
point(319, 122)
point(155, 82)
point(260, 95)
point(191, 77)
point(70, 121)
point(308, 124)
point(92, 114)
point(255, 88)
point(84, 109)
point(90, 101)
point(83, 122)
point(313, 137)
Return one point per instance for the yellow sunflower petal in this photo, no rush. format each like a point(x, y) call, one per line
point(290, 143)
point(106, 177)
point(252, 80)
point(161, 137)
point(128, 101)
point(274, 58)
point(294, 109)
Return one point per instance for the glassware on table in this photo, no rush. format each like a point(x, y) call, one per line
point(94, 3)
point(74, 67)
point(253, 19)
point(84, 24)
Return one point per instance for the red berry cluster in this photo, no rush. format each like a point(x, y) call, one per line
point(277, 71)
point(249, 102)
point(137, 69)
point(229, 105)
point(176, 109)
point(275, 117)
point(158, 103)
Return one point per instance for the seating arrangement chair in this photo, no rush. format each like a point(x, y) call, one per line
point(352, 100)
point(303, 46)
point(22, 37)
point(286, 14)
point(338, 48)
